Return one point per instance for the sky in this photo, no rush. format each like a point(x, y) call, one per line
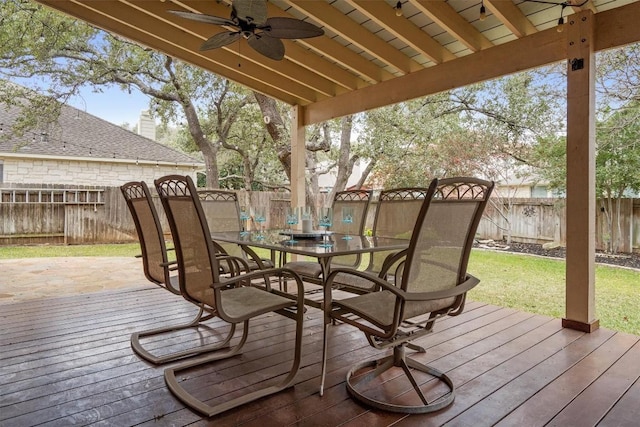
point(113, 105)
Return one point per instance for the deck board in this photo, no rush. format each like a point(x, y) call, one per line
point(68, 361)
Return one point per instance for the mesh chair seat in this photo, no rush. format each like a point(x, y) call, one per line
point(253, 265)
point(306, 269)
point(378, 307)
point(244, 302)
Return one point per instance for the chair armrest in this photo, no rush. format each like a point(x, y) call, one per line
point(254, 256)
point(390, 260)
point(234, 263)
point(245, 279)
point(168, 264)
point(460, 289)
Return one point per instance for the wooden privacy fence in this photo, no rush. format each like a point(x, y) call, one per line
point(88, 215)
point(543, 220)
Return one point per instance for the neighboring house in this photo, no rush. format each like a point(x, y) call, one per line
point(327, 181)
point(526, 185)
point(80, 149)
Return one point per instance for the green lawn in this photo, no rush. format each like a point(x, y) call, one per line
point(526, 283)
point(44, 251)
point(537, 285)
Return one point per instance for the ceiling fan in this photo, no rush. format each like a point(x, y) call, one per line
point(263, 34)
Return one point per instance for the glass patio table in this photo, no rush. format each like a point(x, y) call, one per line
point(310, 244)
point(279, 241)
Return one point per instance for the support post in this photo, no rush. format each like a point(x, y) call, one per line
point(297, 156)
point(580, 266)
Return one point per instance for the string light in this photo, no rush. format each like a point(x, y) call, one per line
point(483, 11)
point(398, 8)
point(561, 20)
point(563, 4)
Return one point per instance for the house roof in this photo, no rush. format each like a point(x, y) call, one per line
point(78, 134)
point(368, 57)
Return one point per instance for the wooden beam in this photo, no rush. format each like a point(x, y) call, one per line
point(285, 68)
point(450, 21)
point(539, 49)
point(404, 29)
point(294, 52)
point(332, 18)
point(614, 28)
point(581, 188)
point(511, 16)
point(617, 27)
point(173, 43)
point(349, 59)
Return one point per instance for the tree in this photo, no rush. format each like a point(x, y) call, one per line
point(617, 138)
point(59, 55)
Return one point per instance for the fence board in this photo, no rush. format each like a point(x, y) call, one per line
point(531, 220)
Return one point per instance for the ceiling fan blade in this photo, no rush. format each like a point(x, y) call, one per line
point(268, 46)
point(209, 19)
point(220, 39)
point(290, 28)
point(252, 11)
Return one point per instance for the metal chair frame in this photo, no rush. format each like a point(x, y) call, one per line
point(149, 229)
point(233, 299)
point(399, 313)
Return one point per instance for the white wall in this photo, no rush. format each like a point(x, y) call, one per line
point(81, 172)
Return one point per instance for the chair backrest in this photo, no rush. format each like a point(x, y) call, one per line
point(396, 215)
point(441, 243)
point(147, 223)
point(221, 209)
point(356, 199)
point(197, 263)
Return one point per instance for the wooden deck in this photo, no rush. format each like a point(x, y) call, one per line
point(67, 361)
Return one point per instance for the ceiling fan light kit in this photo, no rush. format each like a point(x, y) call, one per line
point(249, 19)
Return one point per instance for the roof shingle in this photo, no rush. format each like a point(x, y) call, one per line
point(79, 134)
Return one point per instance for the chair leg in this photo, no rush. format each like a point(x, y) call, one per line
point(138, 348)
point(325, 343)
point(173, 384)
point(399, 359)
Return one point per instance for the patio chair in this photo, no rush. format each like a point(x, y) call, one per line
point(433, 284)
point(310, 271)
point(396, 214)
point(232, 299)
point(222, 211)
point(159, 270)
point(155, 262)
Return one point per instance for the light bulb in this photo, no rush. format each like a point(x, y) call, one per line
point(560, 24)
point(398, 9)
point(483, 13)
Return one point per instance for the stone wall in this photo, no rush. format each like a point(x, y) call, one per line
point(84, 172)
